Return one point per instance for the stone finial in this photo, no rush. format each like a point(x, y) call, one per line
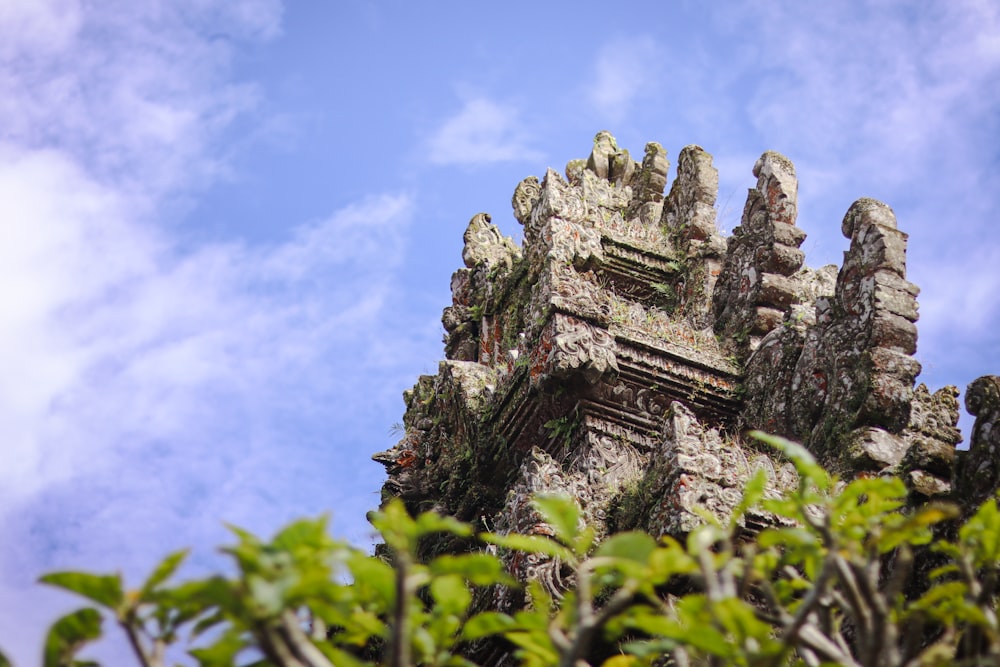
point(623, 168)
point(776, 180)
point(689, 210)
point(461, 341)
point(652, 179)
point(484, 244)
point(979, 473)
point(843, 384)
point(605, 148)
point(982, 398)
point(610, 163)
point(526, 195)
point(756, 288)
point(928, 465)
point(856, 368)
point(688, 218)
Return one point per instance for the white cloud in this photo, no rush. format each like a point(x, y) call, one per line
point(876, 83)
point(145, 387)
point(38, 26)
point(134, 91)
point(482, 132)
point(106, 329)
point(624, 68)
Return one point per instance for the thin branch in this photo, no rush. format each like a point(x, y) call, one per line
point(298, 642)
point(273, 645)
point(825, 648)
point(712, 585)
point(590, 622)
point(791, 632)
point(400, 644)
point(856, 604)
point(134, 640)
point(901, 566)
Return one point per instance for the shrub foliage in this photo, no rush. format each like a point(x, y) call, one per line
point(847, 574)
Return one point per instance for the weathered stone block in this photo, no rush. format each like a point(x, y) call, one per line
point(873, 448)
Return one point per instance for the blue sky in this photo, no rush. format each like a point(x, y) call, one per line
point(227, 228)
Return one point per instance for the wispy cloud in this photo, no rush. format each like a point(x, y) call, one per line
point(890, 94)
point(110, 333)
point(877, 81)
point(482, 132)
point(149, 392)
point(624, 67)
point(134, 91)
point(152, 386)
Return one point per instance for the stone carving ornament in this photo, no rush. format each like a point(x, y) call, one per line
point(485, 245)
point(581, 347)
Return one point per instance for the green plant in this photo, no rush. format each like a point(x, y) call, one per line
point(288, 602)
point(830, 582)
point(562, 428)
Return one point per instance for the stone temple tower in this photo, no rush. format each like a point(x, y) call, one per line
point(622, 352)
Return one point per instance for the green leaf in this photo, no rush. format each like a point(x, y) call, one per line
point(394, 523)
point(450, 594)
point(706, 638)
point(799, 538)
point(4, 661)
point(431, 522)
point(536, 646)
point(804, 462)
point(374, 580)
point(309, 533)
point(753, 492)
point(914, 528)
point(560, 512)
point(267, 597)
point(163, 571)
point(648, 621)
point(223, 652)
point(423, 644)
point(635, 546)
point(981, 534)
point(703, 538)
point(207, 623)
point(535, 544)
point(652, 648)
point(105, 590)
point(541, 603)
point(621, 661)
point(740, 619)
point(943, 571)
point(669, 560)
point(215, 591)
point(480, 569)
point(243, 534)
point(70, 634)
point(354, 627)
point(486, 624)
